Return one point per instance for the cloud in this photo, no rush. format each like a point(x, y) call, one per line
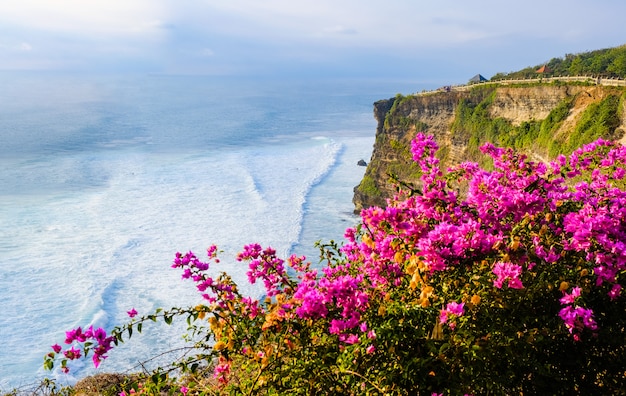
point(339, 30)
point(246, 35)
point(16, 47)
point(206, 52)
point(95, 17)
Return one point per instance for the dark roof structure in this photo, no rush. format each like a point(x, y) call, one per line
point(477, 78)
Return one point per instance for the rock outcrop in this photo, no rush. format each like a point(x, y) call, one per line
point(444, 115)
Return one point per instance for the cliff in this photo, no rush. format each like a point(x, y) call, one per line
point(543, 120)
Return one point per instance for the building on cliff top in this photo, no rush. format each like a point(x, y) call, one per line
point(477, 78)
point(544, 69)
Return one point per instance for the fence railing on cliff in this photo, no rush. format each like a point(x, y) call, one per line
point(584, 79)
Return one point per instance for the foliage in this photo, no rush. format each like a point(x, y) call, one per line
point(549, 126)
point(600, 119)
point(474, 124)
point(393, 116)
point(368, 186)
point(45, 387)
point(513, 287)
point(609, 62)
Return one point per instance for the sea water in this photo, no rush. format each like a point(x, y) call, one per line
point(103, 179)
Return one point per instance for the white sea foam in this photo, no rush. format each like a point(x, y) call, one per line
point(90, 232)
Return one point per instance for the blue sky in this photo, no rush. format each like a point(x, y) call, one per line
point(438, 40)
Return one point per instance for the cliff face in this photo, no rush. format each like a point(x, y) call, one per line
point(542, 120)
point(523, 104)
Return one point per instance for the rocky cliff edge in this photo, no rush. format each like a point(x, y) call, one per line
point(542, 120)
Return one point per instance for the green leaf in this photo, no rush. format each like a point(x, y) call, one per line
point(48, 364)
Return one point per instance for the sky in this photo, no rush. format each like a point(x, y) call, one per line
point(437, 40)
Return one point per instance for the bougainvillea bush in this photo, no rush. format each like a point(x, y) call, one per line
point(503, 281)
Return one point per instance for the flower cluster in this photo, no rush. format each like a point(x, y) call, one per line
point(507, 272)
point(266, 266)
point(575, 317)
point(472, 267)
point(561, 222)
point(451, 311)
point(96, 340)
point(196, 270)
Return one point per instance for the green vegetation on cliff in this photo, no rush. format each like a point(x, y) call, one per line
point(473, 123)
point(608, 62)
point(599, 120)
point(541, 120)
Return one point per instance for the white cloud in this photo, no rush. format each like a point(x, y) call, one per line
point(206, 52)
point(93, 17)
point(339, 29)
point(162, 33)
point(16, 47)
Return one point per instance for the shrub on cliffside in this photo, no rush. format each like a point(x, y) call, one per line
point(512, 288)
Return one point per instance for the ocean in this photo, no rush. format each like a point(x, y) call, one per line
point(104, 178)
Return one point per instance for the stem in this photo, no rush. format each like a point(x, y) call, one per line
point(344, 371)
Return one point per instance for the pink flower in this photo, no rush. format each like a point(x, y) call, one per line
point(452, 310)
point(56, 348)
point(132, 313)
point(96, 359)
point(578, 318)
point(510, 272)
point(615, 291)
point(72, 353)
point(570, 298)
point(222, 370)
point(75, 335)
point(350, 339)
point(184, 390)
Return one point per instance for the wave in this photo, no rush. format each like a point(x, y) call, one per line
point(335, 151)
point(95, 207)
point(284, 176)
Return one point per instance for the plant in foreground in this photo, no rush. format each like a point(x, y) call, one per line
point(481, 282)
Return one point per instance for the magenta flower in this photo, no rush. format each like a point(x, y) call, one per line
point(75, 335)
point(96, 359)
point(132, 313)
point(615, 291)
point(72, 353)
point(570, 298)
point(452, 310)
point(56, 348)
point(577, 318)
point(507, 272)
point(222, 370)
